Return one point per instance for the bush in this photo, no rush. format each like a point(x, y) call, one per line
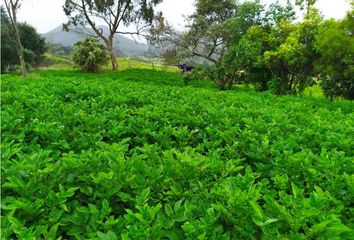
point(338, 84)
point(198, 73)
point(90, 55)
point(222, 76)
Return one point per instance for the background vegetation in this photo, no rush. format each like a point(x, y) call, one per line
point(34, 45)
point(267, 46)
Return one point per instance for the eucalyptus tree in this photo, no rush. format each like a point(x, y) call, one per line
point(12, 7)
point(114, 14)
point(207, 32)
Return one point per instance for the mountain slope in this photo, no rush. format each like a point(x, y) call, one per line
point(123, 46)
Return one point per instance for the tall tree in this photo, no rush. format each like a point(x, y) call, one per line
point(34, 45)
point(293, 55)
point(12, 7)
point(305, 4)
point(239, 52)
point(335, 44)
point(205, 35)
point(113, 14)
point(8, 49)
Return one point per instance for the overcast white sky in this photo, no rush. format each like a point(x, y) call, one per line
point(48, 14)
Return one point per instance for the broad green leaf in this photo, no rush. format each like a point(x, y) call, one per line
point(143, 197)
point(107, 236)
point(257, 209)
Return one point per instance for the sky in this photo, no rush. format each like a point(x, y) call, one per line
point(45, 15)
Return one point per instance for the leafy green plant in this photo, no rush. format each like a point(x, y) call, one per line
point(139, 155)
point(90, 55)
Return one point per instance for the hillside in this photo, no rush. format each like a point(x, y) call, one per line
point(138, 155)
point(124, 46)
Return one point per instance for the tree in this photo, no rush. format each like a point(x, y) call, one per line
point(206, 34)
point(305, 4)
point(255, 23)
point(335, 65)
point(33, 44)
point(291, 59)
point(12, 7)
point(242, 51)
point(214, 31)
point(244, 58)
point(277, 13)
point(248, 14)
point(112, 13)
point(90, 55)
point(8, 50)
point(239, 62)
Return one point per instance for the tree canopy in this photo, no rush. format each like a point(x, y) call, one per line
point(90, 55)
point(114, 15)
point(335, 45)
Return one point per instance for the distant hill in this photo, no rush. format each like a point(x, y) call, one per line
point(123, 46)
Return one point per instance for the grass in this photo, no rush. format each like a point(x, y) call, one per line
point(58, 62)
point(65, 63)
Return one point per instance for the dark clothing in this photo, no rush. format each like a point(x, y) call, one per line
point(184, 68)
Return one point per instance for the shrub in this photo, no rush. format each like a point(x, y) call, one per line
point(198, 73)
point(222, 76)
point(90, 55)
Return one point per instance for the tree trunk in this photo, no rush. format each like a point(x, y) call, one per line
point(20, 52)
point(13, 17)
point(222, 84)
point(114, 62)
point(112, 56)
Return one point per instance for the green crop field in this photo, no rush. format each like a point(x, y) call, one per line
point(59, 62)
point(138, 155)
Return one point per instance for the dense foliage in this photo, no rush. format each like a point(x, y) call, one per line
point(268, 46)
point(34, 45)
point(336, 62)
point(136, 155)
point(90, 55)
point(8, 50)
